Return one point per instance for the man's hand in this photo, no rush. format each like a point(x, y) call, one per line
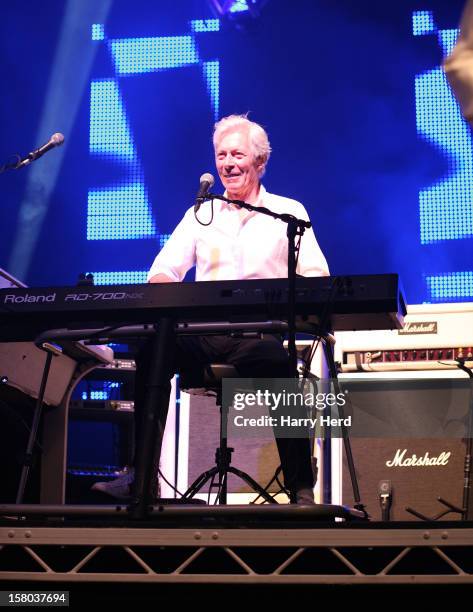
point(161, 278)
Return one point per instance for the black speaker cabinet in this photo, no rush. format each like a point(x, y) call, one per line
point(418, 471)
point(256, 456)
point(431, 410)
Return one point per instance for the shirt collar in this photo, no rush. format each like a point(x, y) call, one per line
point(259, 201)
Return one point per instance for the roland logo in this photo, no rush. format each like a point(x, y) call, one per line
point(21, 299)
point(401, 460)
point(419, 327)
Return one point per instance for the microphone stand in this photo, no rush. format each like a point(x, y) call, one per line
point(466, 511)
point(295, 227)
point(466, 505)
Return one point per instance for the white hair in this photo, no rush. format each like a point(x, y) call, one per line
point(259, 140)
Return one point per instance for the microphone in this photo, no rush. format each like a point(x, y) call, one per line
point(206, 182)
point(55, 141)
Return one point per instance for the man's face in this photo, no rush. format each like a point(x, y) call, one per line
point(236, 165)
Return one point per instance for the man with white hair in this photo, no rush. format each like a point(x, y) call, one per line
point(458, 65)
point(235, 245)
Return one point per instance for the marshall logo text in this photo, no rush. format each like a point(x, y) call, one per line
point(400, 459)
point(419, 327)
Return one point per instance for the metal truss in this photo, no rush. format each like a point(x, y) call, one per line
point(339, 554)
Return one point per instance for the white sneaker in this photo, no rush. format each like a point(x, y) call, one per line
point(120, 488)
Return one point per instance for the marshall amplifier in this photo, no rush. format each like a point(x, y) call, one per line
point(395, 473)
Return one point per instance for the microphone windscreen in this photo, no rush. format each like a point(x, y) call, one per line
point(207, 177)
point(57, 139)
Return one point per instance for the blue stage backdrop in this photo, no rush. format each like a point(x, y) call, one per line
point(364, 129)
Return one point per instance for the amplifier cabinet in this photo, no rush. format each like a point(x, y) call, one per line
point(417, 470)
point(388, 465)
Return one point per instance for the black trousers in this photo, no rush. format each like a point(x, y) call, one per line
point(263, 357)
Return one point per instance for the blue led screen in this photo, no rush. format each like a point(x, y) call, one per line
point(364, 129)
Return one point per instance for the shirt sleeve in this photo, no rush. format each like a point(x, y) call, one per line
point(459, 64)
point(311, 260)
point(177, 256)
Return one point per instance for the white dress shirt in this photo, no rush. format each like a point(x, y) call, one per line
point(238, 244)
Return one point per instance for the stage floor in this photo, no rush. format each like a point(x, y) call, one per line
point(229, 544)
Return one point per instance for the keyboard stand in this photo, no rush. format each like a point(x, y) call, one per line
point(155, 413)
point(50, 351)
